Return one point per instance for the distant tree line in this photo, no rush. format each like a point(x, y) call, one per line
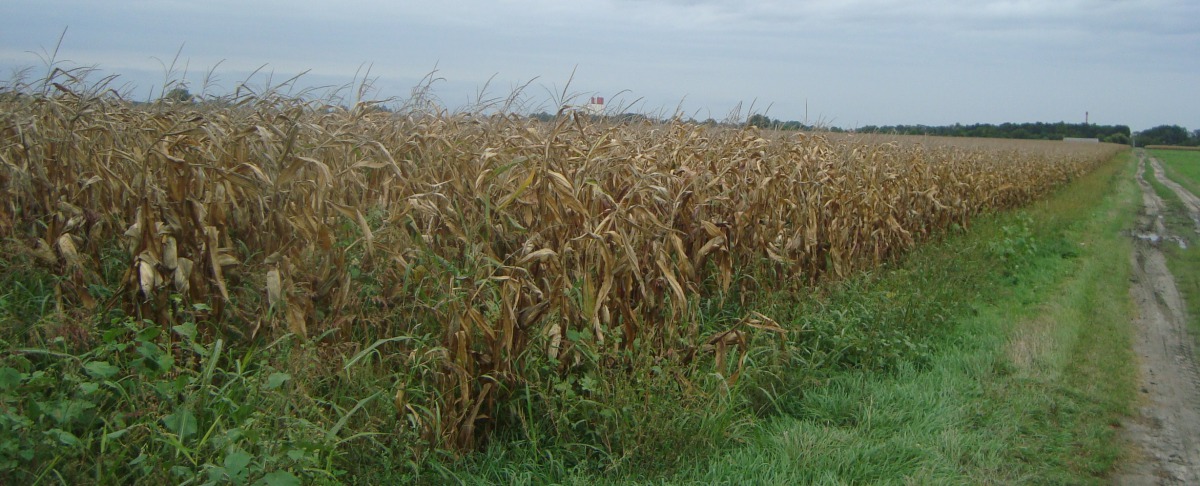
point(763, 121)
point(1027, 131)
point(1160, 135)
point(1167, 135)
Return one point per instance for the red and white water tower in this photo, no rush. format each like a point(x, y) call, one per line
point(595, 106)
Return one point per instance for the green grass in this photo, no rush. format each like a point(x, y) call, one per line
point(1183, 167)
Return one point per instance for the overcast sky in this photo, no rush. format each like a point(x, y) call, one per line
point(852, 63)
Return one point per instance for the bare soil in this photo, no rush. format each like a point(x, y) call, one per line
point(1166, 427)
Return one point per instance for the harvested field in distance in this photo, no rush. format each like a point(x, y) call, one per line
point(476, 244)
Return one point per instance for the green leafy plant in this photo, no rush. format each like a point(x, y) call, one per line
point(1016, 243)
point(145, 394)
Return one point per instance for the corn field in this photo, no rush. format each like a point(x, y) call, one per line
point(499, 235)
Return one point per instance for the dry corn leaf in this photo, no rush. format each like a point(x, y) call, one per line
point(212, 240)
point(170, 253)
point(148, 278)
point(66, 247)
point(274, 287)
point(555, 335)
point(296, 320)
point(537, 256)
point(182, 275)
point(680, 297)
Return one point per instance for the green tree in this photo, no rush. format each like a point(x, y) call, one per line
point(180, 95)
point(760, 121)
point(1163, 135)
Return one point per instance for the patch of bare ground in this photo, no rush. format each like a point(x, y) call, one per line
point(1166, 427)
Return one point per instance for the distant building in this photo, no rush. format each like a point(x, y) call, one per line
point(595, 106)
point(1081, 140)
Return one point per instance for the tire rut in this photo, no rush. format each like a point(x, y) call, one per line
point(1166, 427)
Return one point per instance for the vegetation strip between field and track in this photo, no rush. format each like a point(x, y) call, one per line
point(1028, 383)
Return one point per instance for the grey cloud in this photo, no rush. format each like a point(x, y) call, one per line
point(860, 62)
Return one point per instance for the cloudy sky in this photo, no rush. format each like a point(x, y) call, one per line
point(844, 63)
